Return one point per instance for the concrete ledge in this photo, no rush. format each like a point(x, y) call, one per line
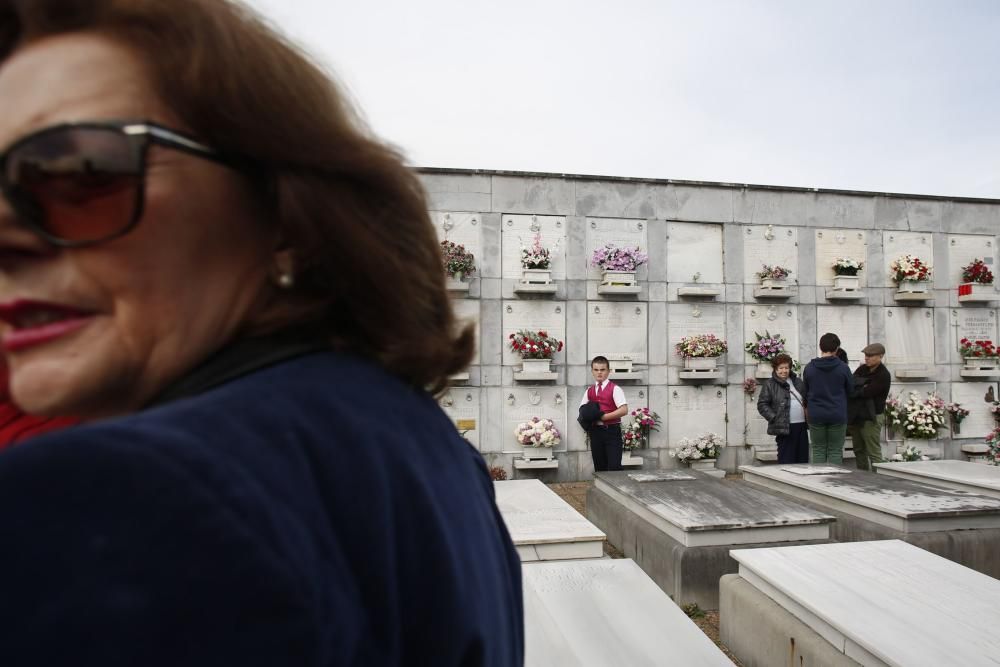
point(760, 632)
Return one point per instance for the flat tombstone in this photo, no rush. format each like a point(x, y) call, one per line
point(461, 404)
point(874, 603)
point(617, 328)
point(850, 323)
point(606, 612)
point(771, 245)
point(519, 230)
point(833, 244)
point(694, 253)
point(543, 526)
point(972, 397)
point(975, 324)
point(961, 475)
point(909, 334)
point(692, 411)
point(776, 320)
point(460, 227)
point(534, 316)
point(963, 249)
point(679, 528)
point(523, 403)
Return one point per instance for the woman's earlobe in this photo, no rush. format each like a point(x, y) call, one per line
point(283, 269)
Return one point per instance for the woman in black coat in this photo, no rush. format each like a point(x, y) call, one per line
point(782, 404)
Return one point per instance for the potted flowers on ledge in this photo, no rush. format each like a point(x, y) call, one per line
point(763, 350)
point(993, 442)
point(979, 354)
point(922, 417)
point(911, 274)
point(536, 263)
point(618, 264)
point(701, 351)
point(459, 263)
point(536, 349)
point(846, 272)
point(537, 436)
point(977, 281)
point(773, 277)
point(699, 453)
point(956, 413)
point(910, 453)
point(636, 434)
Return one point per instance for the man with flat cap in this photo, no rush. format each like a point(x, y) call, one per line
point(866, 412)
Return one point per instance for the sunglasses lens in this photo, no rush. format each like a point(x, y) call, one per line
point(78, 184)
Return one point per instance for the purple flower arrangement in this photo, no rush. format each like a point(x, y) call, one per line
point(613, 258)
point(766, 347)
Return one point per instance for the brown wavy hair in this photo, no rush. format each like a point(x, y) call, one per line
point(368, 268)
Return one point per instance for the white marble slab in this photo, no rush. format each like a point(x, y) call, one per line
point(972, 397)
point(919, 244)
point(850, 323)
point(974, 324)
point(692, 411)
point(815, 470)
point(972, 477)
point(691, 319)
point(963, 249)
point(467, 312)
point(519, 230)
point(832, 244)
point(706, 512)
point(909, 338)
point(543, 526)
point(776, 320)
point(771, 245)
point(523, 403)
point(694, 248)
point(461, 404)
point(606, 612)
point(899, 504)
point(904, 607)
point(533, 316)
point(463, 228)
point(617, 328)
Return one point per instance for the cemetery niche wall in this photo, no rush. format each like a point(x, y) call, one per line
point(628, 268)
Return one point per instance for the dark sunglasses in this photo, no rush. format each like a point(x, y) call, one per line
point(82, 183)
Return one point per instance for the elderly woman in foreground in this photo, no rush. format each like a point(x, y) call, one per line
point(241, 293)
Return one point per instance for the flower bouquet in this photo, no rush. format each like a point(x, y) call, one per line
point(893, 415)
point(773, 276)
point(979, 354)
point(957, 414)
point(977, 282)
point(636, 434)
point(618, 260)
point(458, 262)
point(750, 386)
point(536, 256)
point(705, 446)
point(908, 454)
point(922, 417)
point(534, 344)
point(993, 442)
point(909, 269)
point(845, 266)
point(537, 434)
point(701, 351)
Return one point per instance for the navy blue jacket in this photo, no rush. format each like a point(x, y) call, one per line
point(828, 384)
point(274, 520)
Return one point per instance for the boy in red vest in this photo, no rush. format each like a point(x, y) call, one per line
point(606, 437)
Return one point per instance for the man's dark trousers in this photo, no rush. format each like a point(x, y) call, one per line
point(606, 447)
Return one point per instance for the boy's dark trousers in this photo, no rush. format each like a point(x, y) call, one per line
point(606, 447)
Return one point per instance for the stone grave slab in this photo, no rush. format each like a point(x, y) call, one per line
point(622, 232)
point(679, 530)
point(961, 475)
point(519, 230)
point(771, 245)
point(534, 316)
point(467, 312)
point(691, 319)
point(617, 329)
point(909, 342)
point(694, 256)
point(850, 323)
point(870, 603)
point(523, 403)
point(461, 404)
point(606, 612)
point(463, 228)
point(832, 244)
point(963, 249)
point(692, 411)
point(543, 526)
point(919, 244)
point(972, 396)
point(777, 320)
point(957, 525)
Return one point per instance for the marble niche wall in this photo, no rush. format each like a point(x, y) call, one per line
point(706, 243)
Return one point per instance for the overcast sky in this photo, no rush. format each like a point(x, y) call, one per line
point(896, 96)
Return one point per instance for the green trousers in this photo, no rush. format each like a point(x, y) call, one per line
point(826, 442)
point(866, 437)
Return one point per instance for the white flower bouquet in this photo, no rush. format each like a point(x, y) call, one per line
point(705, 446)
point(538, 432)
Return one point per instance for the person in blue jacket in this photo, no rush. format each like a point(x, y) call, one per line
point(241, 294)
point(829, 383)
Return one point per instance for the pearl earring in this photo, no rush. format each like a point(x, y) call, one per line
point(285, 280)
